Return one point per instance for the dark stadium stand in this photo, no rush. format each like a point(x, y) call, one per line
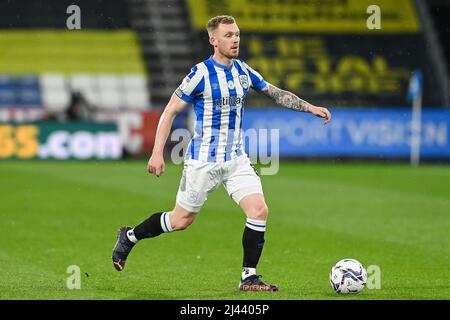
point(327, 53)
point(43, 63)
point(97, 14)
point(168, 44)
point(440, 11)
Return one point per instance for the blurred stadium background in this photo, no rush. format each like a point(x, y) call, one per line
point(97, 93)
point(121, 67)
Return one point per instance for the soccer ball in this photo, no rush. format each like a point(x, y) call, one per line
point(348, 276)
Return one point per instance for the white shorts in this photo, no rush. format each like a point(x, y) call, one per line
point(199, 178)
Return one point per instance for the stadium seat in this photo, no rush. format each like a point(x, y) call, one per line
point(92, 96)
point(136, 99)
point(135, 92)
point(55, 100)
point(85, 84)
point(101, 65)
point(134, 81)
point(28, 93)
point(55, 95)
point(110, 99)
point(7, 96)
point(108, 81)
point(81, 82)
point(28, 98)
point(110, 91)
point(53, 80)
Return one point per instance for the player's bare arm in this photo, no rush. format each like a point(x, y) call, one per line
point(289, 100)
point(156, 162)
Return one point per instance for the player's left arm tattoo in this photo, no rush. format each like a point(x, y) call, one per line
point(285, 98)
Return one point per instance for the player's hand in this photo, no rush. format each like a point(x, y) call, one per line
point(156, 165)
point(321, 113)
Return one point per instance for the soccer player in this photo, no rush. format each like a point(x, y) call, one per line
point(217, 88)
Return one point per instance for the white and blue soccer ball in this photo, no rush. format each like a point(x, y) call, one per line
point(348, 276)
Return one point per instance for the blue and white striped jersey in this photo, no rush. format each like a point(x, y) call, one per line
point(218, 93)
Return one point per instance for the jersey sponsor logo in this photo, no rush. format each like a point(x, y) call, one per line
point(233, 102)
point(243, 79)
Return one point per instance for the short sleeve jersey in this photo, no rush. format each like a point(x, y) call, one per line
point(217, 93)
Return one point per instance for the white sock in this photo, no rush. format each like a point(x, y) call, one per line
point(247, 272)
point(165, 222)
point(131, 236)
point(257, 225)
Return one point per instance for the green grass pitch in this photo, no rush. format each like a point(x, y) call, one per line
point(56, 214)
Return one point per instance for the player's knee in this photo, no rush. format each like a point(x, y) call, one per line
point(183, 223)
point(259, 212)
point(181, 218)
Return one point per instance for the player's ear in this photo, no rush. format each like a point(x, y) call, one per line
point(212, 41)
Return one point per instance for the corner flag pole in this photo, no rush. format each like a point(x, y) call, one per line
point(415, 95)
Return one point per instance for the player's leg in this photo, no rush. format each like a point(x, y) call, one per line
point(157, 224)
point(256, 210)
point(163, 222)
point(197, 180)
point(244, 186)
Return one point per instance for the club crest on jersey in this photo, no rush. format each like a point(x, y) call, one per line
point(243, 79)
point(230, 84)
point(193, 195)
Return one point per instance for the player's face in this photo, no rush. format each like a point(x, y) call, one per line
point(227, 37)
